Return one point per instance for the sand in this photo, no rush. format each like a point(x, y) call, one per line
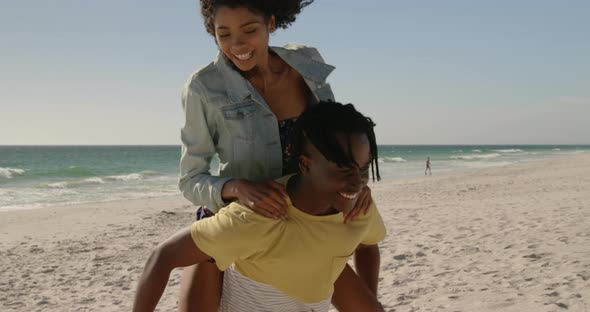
point(513, 238)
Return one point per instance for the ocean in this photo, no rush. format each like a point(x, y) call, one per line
point(41, 176)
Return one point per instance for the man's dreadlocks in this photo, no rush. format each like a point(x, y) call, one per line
point(320, 124)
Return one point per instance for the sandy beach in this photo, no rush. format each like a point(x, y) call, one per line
point(512, 238)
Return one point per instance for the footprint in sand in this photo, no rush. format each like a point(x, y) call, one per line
point(43, 302)
point(559, 304)
point(584, 275)
point(533, 257)
point(87, 300)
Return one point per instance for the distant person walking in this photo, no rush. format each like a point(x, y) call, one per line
point(427, 167)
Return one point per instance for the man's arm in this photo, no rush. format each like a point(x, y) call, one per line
point(352, 295)
point(177, 251)
point(367, 260)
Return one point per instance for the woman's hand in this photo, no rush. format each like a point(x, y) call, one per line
point(362, 204)
point(267, 197)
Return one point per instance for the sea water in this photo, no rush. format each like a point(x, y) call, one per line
point(40, 176)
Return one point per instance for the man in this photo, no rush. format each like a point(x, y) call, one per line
point(290, 265)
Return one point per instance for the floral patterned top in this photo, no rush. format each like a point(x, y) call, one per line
point(286, 129)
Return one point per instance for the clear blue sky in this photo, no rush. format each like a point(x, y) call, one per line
point(428, 72)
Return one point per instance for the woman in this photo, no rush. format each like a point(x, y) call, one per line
point(242, 107)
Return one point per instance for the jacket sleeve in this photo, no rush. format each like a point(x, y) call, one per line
point(199, 139)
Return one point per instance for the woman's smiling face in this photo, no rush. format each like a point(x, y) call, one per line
point(242, 36)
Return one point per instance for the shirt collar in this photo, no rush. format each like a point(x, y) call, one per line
point(238, 90)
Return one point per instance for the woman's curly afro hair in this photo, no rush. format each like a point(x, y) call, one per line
point(284, 11)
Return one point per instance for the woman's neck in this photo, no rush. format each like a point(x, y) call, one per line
point(264, 75)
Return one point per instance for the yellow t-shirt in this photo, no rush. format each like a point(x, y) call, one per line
point(301, 256)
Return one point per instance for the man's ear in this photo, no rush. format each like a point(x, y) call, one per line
point(304, 162)
point(272, 24)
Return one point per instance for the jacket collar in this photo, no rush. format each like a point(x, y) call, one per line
point(238, 89)
point(310, 69)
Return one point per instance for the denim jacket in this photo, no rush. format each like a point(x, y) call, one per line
point(224, 115)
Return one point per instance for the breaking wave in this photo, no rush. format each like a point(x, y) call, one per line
point(392, 160)
point(9, 173)
point(476, 157)
point(137, 176)
point(510, 150)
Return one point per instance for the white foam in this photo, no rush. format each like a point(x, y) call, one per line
point(8, 173)
point(148, 194)
point(511, 150)
point(557, 149)
point(58, 185)
point(74, 184)
point(476, 157)
point(127, 177)
point(481, 165)
point(23, 207)
point(392, 160)
point(61, 192)
point(100, 180)
point(96, 180)
point(476, 151)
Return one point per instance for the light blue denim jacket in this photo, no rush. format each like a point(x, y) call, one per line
point(225, 115)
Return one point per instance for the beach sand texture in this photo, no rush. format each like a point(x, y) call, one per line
point(514, 238)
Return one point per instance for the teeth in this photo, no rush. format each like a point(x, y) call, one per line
point(348, 196)
point(244, 56)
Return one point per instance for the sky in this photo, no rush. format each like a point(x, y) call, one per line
point(428, 72)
